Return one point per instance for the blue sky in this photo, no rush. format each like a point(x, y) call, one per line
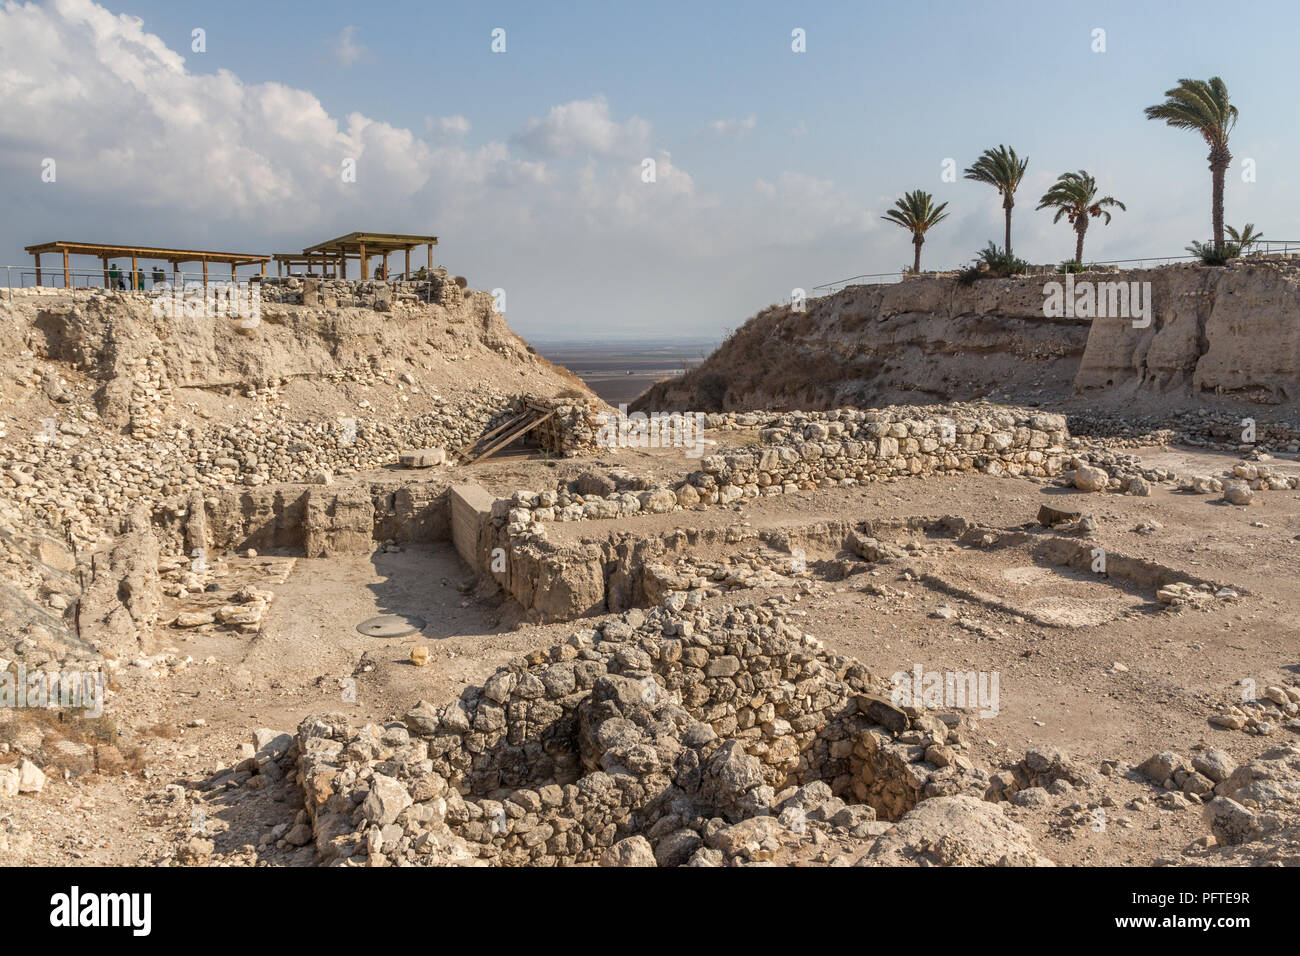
point(774, 166)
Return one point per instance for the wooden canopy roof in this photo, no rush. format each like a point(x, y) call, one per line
point(371, 243)
point(104, 250)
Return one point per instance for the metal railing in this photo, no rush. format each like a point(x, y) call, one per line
point(25, 277)
point(1270, 247)
point(1258, 249)
point(836, 286)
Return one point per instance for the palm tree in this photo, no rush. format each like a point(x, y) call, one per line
point(1075, 195)
point(1247, 238)
point(1003, 169)
point(917, 212)
point(1203, 106)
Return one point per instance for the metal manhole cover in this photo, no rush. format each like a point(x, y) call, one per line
point(390, 625)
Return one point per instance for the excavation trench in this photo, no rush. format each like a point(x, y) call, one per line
point(1044, 577)
point(581, 569)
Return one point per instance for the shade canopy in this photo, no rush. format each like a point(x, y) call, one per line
point(370, 243)
point(361, 246)
point(175, 256)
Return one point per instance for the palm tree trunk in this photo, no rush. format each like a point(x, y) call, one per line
point(916, 263)
point(1007, 206)
point(1078, 246)
point(1220, 158)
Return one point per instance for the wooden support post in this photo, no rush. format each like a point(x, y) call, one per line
point(104, 260)
point(365, 266)
point(135, 283)
point(385, 267)
point(67, 275)
point(407, 274)
point(205, 276)
point(279, 268)
point(232, 273)
point(37, 256)
point(431, 258)
point(263, 267)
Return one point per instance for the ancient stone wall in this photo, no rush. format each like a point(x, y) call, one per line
point(311, 520)
point(842, 448)
point(439, 289)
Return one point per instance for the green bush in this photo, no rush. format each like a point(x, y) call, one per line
point(992, 263)
point(1001, 264)
point(1213, 255)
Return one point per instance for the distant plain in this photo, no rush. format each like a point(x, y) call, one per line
point(619, 372)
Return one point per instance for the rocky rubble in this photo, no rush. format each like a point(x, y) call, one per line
point(1276, 707)
point(1112, 471)
point(1254, 814)
point(88, 479)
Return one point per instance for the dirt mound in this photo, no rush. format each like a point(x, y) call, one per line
point(915, 342)
point(310, 361)
point(1206, 332)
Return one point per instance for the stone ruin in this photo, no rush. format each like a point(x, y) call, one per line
point(682, 728)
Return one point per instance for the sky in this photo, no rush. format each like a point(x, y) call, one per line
point(772, 166)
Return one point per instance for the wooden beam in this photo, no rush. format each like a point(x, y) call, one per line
point(507, 439)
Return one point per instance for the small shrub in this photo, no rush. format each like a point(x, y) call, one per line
point(1212, 255)
point(1072, 265)
point(1000, 263)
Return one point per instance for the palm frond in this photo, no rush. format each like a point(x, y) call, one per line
point(1000, 168)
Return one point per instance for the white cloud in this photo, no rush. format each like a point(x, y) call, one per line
point(346, 49)
point(734, 127)
point(447, 127)
point(585, 126)
point(152, 153)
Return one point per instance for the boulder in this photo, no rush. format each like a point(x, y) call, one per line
point(955, 831)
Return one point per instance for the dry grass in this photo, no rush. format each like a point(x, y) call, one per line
point(56, 726)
